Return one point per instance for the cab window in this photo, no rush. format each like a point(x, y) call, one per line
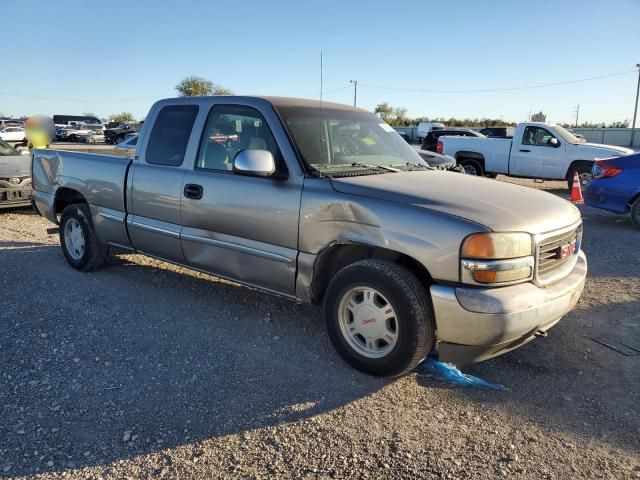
point(537, 136)
point(170, 135)
point(231, 129)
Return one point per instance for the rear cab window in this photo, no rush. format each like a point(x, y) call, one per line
point(170, 134)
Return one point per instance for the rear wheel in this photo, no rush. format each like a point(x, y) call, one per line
point(472, 167)
point(635, 213)
point(584, 175)
point(79, 241)
point(378, 317)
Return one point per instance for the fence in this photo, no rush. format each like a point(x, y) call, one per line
point(610, 136)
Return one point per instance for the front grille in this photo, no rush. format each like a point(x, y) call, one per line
point(556, 252)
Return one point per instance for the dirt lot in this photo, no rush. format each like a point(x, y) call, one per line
point(149, 370)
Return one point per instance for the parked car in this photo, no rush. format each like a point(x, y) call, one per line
point(324, 203)
point(75, 134)
point(93, 136)
point(430, 142)
point(66, 120)
point(498, 132)
point(11, 122)
point(439, 161)
point(425, 127)
point(615, 186)
point(116, 135)
point(62, 133)
point(404, 136)
point(129, 143)
point(538, 150)
point(15, 177)
point(579, 136)
point(12, 134)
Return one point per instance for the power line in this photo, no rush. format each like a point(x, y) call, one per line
point(486, 90)
point(80, 99)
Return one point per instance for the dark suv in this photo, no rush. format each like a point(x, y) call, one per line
point(117, 134)
point(498, 132)
point(431, 140)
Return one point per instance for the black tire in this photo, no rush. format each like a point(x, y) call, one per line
point(95, 254)
point(472, 167)
point(413, 314)
point(635, 213)
point(582, 169)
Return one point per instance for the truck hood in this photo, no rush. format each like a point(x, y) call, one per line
point(598, 151)
point(15, 165)
point(497, 205)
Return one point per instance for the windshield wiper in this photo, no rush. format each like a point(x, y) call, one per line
point(373, 166)
point(411, 165)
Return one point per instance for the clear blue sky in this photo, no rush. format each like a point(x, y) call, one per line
point(113, 56)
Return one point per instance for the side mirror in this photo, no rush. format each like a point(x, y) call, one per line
point(554, 142)
point(258, 163)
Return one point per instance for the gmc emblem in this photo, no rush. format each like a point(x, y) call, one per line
point(566, 250)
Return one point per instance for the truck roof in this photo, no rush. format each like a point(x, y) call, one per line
point(275, 101)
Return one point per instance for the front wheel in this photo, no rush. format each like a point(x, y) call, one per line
point(635, 213)
point(79, 241)
point(378, 317)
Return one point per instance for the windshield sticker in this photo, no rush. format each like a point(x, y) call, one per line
point(386, 127)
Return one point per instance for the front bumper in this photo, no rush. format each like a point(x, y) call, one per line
point(477, 324)
point(15, 194)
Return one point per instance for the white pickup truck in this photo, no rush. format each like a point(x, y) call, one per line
point(538, 150)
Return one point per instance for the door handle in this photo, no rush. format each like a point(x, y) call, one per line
point(527, 151)
point(193, 191)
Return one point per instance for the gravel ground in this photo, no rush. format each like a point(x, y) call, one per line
point(147, 370)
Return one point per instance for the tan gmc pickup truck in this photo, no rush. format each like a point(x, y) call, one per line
point(327, 204)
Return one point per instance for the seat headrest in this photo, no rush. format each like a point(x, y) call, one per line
point(257, 143)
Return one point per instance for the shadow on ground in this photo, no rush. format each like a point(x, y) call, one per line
point(172, 358)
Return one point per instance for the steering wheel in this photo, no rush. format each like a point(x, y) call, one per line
point(348, 146)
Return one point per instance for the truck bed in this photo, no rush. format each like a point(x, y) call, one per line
point(495, 151)
point(100, 179)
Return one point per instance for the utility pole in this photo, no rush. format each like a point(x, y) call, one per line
point(635, 111)
point(577, 111)
point(529, 116)
point(355, 91)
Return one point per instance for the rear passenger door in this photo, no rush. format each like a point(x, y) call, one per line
point(238, 226)
point(155, 183)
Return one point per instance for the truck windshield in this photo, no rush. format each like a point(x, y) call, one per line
point(566, 135)
point(6, 149)
point(346, 142)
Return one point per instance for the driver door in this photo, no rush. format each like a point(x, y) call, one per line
point(538, 154)
point(237, 226)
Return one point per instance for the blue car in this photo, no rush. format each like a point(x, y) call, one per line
point(615, 186)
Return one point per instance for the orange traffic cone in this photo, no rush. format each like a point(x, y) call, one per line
point(576, 191)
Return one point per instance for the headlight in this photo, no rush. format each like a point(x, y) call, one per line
point(496, 258)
